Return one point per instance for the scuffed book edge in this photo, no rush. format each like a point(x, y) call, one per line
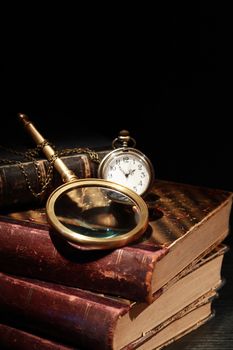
point(203, 300)
point(211, 253)
point(178, 243)
point(187, 331)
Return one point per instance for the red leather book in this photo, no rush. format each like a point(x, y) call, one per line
point(184, 322)
point(91, 321)
point(187, 220)
point(12, 338)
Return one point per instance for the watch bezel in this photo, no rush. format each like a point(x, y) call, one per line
point(119, 151)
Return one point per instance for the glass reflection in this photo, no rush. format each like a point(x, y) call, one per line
point(96, 212)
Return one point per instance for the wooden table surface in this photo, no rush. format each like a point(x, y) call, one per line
point(218, 332)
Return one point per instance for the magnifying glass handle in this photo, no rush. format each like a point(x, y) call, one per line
point(66, 174)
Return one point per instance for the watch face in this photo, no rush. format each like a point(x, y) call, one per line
point(128, 167)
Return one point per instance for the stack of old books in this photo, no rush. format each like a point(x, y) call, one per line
point(142, 296)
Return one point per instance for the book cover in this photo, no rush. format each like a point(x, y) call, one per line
point(90, 320)
point(190, 318)
point(12, 338)
point(188, 220)
point(16, 175)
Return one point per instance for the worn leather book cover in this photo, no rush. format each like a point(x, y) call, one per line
point(12, 338)
point(93, 321)
point(18, 174)
point(187, 320)
point(187, 220)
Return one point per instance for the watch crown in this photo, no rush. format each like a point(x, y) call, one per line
point(123, 139)
point(124, 133)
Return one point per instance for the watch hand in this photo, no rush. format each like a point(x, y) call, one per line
point(131, 171)
point(123, 171)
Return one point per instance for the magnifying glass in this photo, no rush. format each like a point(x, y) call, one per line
point(91, 213)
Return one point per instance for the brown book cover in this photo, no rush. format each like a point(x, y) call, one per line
point(188, 319)
point(90, 320)
point(188, 220)
point(14, 189)
point(12, 338)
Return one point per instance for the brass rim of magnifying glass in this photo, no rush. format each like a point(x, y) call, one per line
point(85, 242)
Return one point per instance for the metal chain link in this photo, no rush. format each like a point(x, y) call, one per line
point(30, 155)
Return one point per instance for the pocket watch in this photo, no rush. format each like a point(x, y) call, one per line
point(127, 165)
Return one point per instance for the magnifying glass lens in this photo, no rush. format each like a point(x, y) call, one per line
point(96, 211)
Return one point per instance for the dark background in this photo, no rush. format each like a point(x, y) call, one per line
point(169, 86)
point(167, 82)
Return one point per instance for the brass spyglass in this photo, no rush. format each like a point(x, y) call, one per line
point(91, 213)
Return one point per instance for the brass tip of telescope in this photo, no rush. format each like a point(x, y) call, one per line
point(23, 118)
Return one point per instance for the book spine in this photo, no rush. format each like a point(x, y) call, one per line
point(14, 189)
point(38, 253)
point(66, 314)
point(16, 339)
